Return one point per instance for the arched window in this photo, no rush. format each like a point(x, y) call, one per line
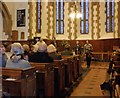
point(110, 16)
point(59, 16)
point(38, 17)
point(84, 24)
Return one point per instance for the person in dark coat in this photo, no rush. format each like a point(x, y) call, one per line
point(41, 55)
point(51, 49)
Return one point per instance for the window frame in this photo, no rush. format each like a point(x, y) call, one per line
point(38, 31)
point(84, 20)
point(110, 17)
point(59, 20)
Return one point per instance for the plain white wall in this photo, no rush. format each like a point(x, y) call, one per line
point(1, 25)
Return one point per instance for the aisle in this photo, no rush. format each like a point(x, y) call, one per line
point(90, 85)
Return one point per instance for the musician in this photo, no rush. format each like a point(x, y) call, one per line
point(88, 51)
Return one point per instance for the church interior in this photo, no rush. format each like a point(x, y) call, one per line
point(60, 48)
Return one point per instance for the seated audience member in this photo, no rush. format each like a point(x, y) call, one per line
point(118, 50)
point(52, 52)
point(17, 60)
point(26, 51)
point(54, 42)
point(8, 51)
point(3, 56)
point(67, 51)
point(33, 48)
point(64, 42)
point(41, 55)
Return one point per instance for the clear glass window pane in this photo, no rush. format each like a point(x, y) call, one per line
point(62, 11)
point(57, 27)
point(108, 25)
point(108, 11)
point(62, 27)
point(39, 16)
point(82, 27)
point(57, 10)
point(112, 24)
point(87, 27)
point(59, 16)
point(87, 12)
point(110, 16)
point(84, 20)
point(112, 7)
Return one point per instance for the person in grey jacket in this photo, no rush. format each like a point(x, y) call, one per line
point(88, 51)
point(17, 60)
point(3, 56)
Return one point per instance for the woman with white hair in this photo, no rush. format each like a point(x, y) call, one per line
point(17, 60)
point(41, 55)
point(51, 49)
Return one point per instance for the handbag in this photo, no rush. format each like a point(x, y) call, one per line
point(105, 86)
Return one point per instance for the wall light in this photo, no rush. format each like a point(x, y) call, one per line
point(75, 14)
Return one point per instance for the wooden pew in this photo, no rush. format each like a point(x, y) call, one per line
point(44, 78)
point(72, 72)
point(59, 77)
point(19, 82)
point(102, 55)
point(74, 65)
point(79, 61)
point(68, 70)
point(116, 84)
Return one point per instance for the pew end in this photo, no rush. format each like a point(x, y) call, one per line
point(19, 82)
point(44, 78)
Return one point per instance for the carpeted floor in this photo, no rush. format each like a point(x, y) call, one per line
point(90, 85)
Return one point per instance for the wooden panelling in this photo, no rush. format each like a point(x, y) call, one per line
point(102, 45)
point(14, 36)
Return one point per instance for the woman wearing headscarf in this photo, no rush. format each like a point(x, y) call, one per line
point(17, 60)
point(41, 55)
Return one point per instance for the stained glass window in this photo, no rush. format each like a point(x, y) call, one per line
point(38, 16)
point(84, 24)
point(110, 16)
point(59, 16)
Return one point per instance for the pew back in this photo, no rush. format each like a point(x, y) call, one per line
point(19, 82)
point(44, 78)
point(18, 73)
